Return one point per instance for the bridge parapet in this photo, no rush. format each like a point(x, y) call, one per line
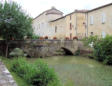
point(38, 48)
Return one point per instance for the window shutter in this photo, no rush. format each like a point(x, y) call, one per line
point(91, 20)
point(103, 18)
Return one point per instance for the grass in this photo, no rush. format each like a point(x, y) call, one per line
point(80, 71)
point(19, 81)
point(74, 71)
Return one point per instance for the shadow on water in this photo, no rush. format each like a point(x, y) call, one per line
point(67, 52)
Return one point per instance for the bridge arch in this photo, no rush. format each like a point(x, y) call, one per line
point(67, 51)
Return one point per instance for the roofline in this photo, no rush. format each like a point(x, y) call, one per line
point(100, 7)
point(44, 12)
point(58, 19)
point(39, 15)
point(76, 11)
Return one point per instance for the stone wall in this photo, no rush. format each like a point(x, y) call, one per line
point(39, 48)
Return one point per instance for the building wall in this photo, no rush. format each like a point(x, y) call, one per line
point(70, 26)
point(99, 28)
point(80, 25)
point(59, 28)
point(42, 26)
point(77, 27)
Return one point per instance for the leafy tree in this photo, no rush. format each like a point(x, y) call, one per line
point(14, 23)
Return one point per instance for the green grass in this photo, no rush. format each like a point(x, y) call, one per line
point(80, 71)
point(74, 71)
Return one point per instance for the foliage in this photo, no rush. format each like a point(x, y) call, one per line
point(35, 37)
point(103, 50)
point(14, 23)
point(77, 53)
point(37, 74)
point(89, 40)
point(16, 52)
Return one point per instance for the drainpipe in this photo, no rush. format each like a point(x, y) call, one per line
point(76, 25)
point(87, 24)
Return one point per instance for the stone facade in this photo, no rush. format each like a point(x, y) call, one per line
point(71, 25)
point(80, 23)
point(40, 48)
point(100, 21)
point(41, 23)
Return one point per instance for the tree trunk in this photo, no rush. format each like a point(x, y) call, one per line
point(7, 46)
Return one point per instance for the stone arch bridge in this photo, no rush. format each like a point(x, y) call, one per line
point(42, 48)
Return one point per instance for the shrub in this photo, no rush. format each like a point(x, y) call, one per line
point(37, 74)
point(35, 37)
point(108, 60)
point(16, 52)
point(20, 66)
point(77, 53)
point(89, 40)
point(103, 50)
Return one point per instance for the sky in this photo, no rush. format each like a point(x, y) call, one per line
point(35, 7)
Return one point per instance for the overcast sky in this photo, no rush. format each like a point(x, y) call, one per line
point(35, 7)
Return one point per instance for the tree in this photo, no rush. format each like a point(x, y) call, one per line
point(14, 23)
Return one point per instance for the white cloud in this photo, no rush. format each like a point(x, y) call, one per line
point(35, 7)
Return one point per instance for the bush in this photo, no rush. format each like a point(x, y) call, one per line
point(89, 40)
point(17, 52)
point(77, 53)
point(103, 50)
point(35, 37)
point(37, 74)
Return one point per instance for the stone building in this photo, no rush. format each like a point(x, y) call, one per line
point(99, 21)
point(70, 25)
point(41, 23)
point(80, 23)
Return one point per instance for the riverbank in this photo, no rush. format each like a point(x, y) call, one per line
point(74, 71)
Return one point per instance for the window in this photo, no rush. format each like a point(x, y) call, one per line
point(91, 33)
point(42, 25)
point(70, 26)
point(39, 26)
point(55, 29)
point(91, 20)
point(103, 18)
point(103, 34)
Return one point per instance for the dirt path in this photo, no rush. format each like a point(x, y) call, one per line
point(6, 78)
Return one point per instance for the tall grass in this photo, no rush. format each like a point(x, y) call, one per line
point(37, 74)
